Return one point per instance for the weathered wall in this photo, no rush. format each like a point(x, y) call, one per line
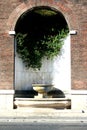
point(75, 12)
point(56, 71)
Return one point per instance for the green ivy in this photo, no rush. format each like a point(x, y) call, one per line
point(32, 51)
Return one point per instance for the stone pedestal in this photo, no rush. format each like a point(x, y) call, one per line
point(6, 99)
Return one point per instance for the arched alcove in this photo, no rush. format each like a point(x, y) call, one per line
point(35, 22)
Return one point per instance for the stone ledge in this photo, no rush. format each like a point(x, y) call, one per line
point(43, 99)
point(7, 92)
point(61, 103)
point(78, 92)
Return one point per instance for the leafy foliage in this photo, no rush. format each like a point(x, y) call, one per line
point(32, 50)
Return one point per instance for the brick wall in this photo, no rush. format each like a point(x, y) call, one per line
point(6, 45)
point(79, 47)
point(75, 12)
point(6, 61)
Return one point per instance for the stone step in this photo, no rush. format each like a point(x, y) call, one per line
point(57, 103)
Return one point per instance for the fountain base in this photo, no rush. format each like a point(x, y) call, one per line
point(55, 103)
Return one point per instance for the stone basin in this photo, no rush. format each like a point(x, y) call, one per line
point(42, 89)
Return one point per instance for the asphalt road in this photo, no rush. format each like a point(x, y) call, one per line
point(42, 126)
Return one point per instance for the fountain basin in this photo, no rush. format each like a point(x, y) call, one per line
point(42, 88)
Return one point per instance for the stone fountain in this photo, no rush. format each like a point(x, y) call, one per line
point(42, 89)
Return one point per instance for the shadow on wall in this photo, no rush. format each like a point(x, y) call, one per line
point(56, 93)
point(25, 93)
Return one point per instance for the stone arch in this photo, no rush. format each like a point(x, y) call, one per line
point(66, 11)
point(68, 14)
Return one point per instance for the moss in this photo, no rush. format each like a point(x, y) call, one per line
point(45, 12)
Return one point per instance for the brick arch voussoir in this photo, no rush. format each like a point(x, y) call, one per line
point(14, 16)
point(66, 11)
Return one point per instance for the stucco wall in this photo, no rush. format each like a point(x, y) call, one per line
point(56, 71)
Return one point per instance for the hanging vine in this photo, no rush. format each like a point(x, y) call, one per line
point(33, 50)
